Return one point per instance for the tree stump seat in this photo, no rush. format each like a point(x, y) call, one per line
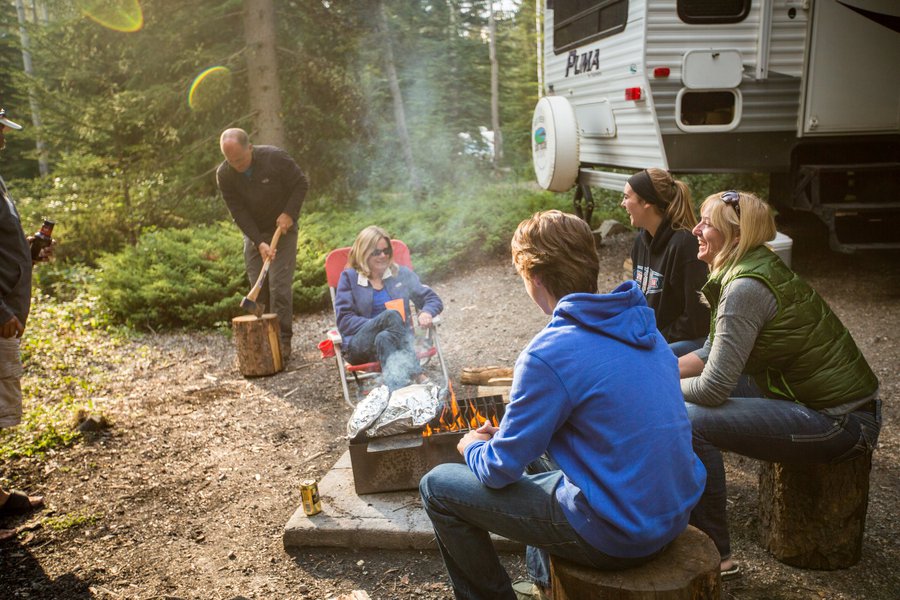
point(258, 344)
point(814, 516)
point(687, 570)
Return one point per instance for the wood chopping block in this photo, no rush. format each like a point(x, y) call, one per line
point(258, 344)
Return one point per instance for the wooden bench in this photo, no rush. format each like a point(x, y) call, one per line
point(814, 516)
point(687, 570)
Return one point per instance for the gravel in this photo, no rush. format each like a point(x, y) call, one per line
point(186, 493)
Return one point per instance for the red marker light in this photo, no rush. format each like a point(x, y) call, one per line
point(633, 93)
point(661, 72)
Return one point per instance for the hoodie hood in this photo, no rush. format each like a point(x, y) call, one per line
point(622, 315)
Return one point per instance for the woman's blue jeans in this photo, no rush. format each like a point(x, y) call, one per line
point(774, 431)
point(387, 339)
point(683, 347)
point(463, 512)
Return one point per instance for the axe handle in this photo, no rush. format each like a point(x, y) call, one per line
point(257, 287)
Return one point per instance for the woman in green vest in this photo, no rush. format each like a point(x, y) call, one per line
point(815, 398)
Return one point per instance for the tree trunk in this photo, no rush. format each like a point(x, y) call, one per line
point(397, 97)
point(262, 69)
point(539, 37)
point(495, 89)
point(43, 167)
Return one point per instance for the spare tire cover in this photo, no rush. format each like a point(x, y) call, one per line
point(554, 144)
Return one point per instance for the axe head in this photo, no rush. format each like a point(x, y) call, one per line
point(252, 307)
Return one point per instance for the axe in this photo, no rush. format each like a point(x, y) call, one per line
point(248, 302)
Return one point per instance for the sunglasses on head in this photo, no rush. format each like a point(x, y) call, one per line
point(378, 252)
point(732, 199)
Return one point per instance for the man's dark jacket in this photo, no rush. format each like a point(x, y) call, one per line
point(15, 262)
point(276, 185)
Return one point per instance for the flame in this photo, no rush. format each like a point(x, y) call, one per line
point(452, 418)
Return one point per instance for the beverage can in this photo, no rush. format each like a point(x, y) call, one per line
point(309, 495)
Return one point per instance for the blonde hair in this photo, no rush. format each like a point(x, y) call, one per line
point(754, 227)
point(559, 249)
point(677, 195)
point(366, 241)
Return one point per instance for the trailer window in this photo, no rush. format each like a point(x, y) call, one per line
point(713, 11)
point(715, 110)
point(577, 22)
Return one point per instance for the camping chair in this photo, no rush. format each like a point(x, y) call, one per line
point(335, 263)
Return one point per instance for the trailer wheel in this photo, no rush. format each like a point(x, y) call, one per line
point(554, 144)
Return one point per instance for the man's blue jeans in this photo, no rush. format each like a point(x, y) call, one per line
point(463, 511)
point(774, 431)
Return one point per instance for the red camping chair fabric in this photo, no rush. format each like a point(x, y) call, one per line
point(335, 263)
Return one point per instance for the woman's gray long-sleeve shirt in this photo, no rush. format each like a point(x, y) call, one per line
point(745, 307)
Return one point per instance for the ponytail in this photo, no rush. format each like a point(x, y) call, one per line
point(679, 210)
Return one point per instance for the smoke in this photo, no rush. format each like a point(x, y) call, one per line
point(399, 368)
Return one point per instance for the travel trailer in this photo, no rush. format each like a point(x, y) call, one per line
point(806, 90)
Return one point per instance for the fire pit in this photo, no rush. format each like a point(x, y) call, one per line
point(398, 462)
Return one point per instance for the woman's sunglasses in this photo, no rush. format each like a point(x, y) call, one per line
point(732, 199)
point(378, 252)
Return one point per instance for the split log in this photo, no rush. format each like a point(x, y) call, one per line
point(484, 375)
point(258, 344)
point(814, 516)
point(687, 570)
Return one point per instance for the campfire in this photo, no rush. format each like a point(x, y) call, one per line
point(456, 419)
point(398, 462)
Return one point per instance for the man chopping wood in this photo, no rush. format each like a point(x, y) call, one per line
point(264, 189)
point(15, 302)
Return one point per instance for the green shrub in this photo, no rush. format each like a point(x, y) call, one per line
point(175, 278)
point(67, 351)
point(195, 278)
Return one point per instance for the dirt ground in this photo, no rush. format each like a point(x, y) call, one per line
point(186, 495)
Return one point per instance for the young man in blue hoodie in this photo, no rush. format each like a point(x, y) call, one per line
point(598, 392)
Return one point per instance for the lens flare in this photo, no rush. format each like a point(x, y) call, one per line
point(209, 88)
point(118, 15)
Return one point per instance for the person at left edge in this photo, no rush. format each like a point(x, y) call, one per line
point(264, 189)
point(15, 303)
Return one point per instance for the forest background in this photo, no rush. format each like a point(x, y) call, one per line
point(390, 107)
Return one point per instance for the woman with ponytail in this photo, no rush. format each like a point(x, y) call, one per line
point(664, 257)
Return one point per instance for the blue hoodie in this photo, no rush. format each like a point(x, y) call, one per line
point(598, 388)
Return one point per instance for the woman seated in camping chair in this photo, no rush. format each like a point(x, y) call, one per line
point(373, 312)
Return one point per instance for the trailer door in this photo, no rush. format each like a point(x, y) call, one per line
point(852, 79)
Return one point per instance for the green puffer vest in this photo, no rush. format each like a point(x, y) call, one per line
point(805, 353)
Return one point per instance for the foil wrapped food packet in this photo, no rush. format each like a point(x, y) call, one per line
point(408, 409)
point(367, 411)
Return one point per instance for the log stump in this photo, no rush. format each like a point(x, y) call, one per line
point(814, 516)
point(258, 344)
point(687, 570)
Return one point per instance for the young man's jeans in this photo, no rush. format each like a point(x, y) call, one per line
point(277, 293)
point(683, 347)
point(387, 339)
point(774, 431)
point(463, 511)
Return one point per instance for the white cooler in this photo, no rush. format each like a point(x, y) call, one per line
point(781, 246)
